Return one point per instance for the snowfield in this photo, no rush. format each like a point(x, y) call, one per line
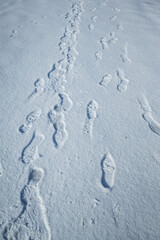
point(79, 120)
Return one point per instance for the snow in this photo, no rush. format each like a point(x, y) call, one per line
point(79, 119)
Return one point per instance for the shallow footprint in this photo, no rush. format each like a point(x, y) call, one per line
point(112, 38)
point(104, 43)
point(30, 119)
point(91, 27)
point(99, 55)
point(93, 9)
point(1, 170)
point(39, 88)
point(113, 18)
point(124, 56)
point(94, 18)
point(105, 80)
point(120, 26)
point(147, 116)
point(122, 86)
point(13, 33)
point(91, 115)
point(116, 9)
point(108, 171)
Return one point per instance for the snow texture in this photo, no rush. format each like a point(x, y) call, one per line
point(79, 120)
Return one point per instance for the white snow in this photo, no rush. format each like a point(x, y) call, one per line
point(79, 119)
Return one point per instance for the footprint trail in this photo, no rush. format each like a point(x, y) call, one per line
point(56, 81)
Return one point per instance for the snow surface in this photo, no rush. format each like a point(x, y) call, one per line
point(79, 119)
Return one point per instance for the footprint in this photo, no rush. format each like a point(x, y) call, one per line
point(124, 56)
point(145, 104)
point(60, 135)
point(30, 152)
point(116, 210)
point(13, 33)
point(99, 55)
point(94, 18)
point(93, 9)
point(116, 9)
point(153, 124)
point(32, 222)
point(30, 119)
point(147, 116)
point(91, 27)
point(39, 85)
point(66, 102)
point(96, 203)
point(36, 175)
point(104, 43)
point(104, 4)
point(113, 18)
point(92, 221)
point(39, 88)
point(92, 109)
point(108, 171)
point(1, 170)
point(122, 86)
point(120, 26)
point(91, 115)
point(105, 80)
point(35, 22)
point(112, 38)
point(156, 158)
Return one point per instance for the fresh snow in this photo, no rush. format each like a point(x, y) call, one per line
point(79, 119)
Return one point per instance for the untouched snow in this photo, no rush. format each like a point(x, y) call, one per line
point(79, 119)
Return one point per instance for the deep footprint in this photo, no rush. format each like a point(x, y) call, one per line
point(60, 135)
point(30, 152)
point(108, 171)
point(66, 102)
point(31, 223)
